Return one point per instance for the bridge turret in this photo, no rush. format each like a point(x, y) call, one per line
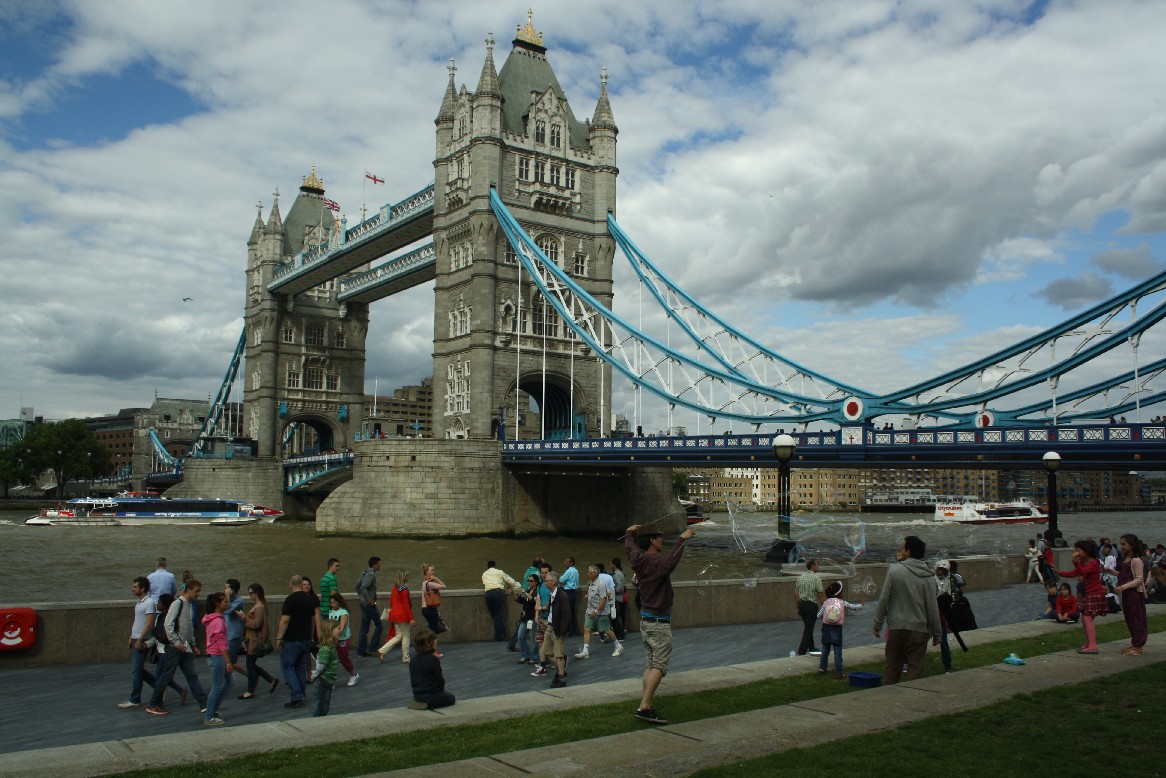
point(603, 140)
point(488, 98)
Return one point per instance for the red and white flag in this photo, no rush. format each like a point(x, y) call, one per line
point(373, 178)
point(331, 205)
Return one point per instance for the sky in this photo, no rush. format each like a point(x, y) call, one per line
point(879, 190)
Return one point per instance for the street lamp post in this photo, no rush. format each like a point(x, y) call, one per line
point(783, 449)
point(1052, 462)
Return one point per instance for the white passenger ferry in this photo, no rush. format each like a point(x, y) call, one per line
point(133, 510)
point(971, 511)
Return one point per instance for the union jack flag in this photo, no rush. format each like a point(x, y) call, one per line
point(331, 205)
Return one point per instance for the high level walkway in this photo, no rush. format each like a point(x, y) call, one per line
point(64, 721)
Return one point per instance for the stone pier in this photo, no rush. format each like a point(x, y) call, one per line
point(436, 487)
point(249, 480)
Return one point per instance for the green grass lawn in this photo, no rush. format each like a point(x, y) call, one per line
point(453, 742)
point(1106, 725)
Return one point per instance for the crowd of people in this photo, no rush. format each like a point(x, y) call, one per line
point(312, 633)
point(311, 636)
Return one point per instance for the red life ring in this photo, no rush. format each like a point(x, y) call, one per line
point(17, 629)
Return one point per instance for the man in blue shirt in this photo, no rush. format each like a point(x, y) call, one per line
point(162, 581)
point(569, 583)
point(234, 619)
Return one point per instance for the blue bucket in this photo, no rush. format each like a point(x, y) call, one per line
point(865, 680)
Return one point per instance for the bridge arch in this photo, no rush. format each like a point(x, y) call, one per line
point(565, 414)
point(307, 433)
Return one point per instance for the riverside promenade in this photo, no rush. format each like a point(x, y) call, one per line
point(64, 720)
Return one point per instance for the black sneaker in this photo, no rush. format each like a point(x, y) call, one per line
point(293, 704)
point(558, 682)
point(651, 716)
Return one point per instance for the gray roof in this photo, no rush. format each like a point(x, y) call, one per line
point(526, 71)
point(306, 211)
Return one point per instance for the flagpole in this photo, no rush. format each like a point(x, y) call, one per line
point(363, 196)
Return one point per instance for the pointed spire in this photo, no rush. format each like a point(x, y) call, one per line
point(275, 221)
point(447, 103)
point(257, 229)
point(603, 119)
point(488, 83)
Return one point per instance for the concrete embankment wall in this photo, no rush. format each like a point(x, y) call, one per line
point(92, 632)
point(250, 480)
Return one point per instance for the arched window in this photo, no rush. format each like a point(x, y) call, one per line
point(556, 174)
point(540, 132)
point(289, 334)
point(550, 246)
point(540, 171)
point(524, 168)
point(556, 135)
point(293, 377)
point(338, 340)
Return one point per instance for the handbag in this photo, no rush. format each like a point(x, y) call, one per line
point(960, 617)
point(265, 647)
point(431, 597)
point(440, 626)
point(385, 615)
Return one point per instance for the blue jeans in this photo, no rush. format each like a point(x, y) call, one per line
point(369, 615)
point(944, 648)
point(496, 605)
point(221, 682)
point(293, 661)
point(323, 696)
point(826, 654)
point(139, 673)
point(178, 660)
point(525, 642)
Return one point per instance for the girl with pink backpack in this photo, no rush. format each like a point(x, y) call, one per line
point(833, 615)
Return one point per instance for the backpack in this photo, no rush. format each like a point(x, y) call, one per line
point(159, 629)
point(833, 612)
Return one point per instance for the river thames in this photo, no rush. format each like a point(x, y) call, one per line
point(55, 564)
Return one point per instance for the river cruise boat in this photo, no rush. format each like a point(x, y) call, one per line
point(130, 510)
point(693, 513)
point(968, 511)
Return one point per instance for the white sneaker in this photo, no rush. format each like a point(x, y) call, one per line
point(352, 681)
point(618, 649)
point(127, 704)
point(214, 722)
point(584, 654)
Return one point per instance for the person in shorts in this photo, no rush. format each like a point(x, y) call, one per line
point(653, 571)
point(600, 593)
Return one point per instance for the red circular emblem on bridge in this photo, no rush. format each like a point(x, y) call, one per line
point(852, 409)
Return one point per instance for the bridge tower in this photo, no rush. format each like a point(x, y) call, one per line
point(518, 133)
point(305, 352)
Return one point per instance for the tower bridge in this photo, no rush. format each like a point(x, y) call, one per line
point(519, 235)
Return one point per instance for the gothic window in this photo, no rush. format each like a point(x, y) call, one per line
point(332, 382)
point(580, 264)
point(524, 168)
point(457, 388)
point(315, 378)
point(556, 174)
point(556, 135)
point(540, 132)
point(550, 247)
point(314, 335)
point(256, 379)
point(338, 339)
point(293, 377)
point(461, 127)
point(539, 171)
point(257, 337)
point(461, 164)
point(289, 334)
point(545, 320)
point(570, 182)
point(509, 255)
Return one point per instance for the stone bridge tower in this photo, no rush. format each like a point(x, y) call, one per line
point(557, 175)
point(305, 352)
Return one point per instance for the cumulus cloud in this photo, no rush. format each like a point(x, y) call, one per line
point(1072, 293)
point(1136, 263)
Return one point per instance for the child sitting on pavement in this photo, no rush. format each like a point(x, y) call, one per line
point(1067, 606)
point(833, 615)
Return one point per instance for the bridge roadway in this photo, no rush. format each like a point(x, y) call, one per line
point(61, 706)
point(1096, 446)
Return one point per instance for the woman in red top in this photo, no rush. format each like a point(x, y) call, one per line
point(1131, 583)
point(1093, 604)
point(401, 618)
point(1066, 605)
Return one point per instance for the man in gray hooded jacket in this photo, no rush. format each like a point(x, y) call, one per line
point(908, 607)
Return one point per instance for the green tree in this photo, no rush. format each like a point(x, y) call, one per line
point(10, 470)
point(679, 484)
point(67, 448)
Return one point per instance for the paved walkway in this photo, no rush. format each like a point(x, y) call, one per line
point(64, 721)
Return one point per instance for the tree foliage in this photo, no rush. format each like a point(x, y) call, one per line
point(67, 448)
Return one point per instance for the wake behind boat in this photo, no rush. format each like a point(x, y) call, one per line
point(969, 511)
point(132, 510)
